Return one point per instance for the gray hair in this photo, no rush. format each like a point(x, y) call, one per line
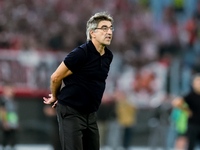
point(94, 21)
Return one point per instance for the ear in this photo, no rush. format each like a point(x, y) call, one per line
point(92, 33)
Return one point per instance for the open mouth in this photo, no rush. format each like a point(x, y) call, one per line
point(108, 38)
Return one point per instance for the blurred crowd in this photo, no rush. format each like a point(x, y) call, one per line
point(140, 37)
point(156, 48)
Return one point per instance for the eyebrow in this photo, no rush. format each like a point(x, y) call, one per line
point(106, 26)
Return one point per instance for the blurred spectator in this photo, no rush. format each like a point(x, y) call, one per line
point(30, 63)
point(176, 137)
point(193, 103)
point(126, 116)
point(178, 5)
point(192, 28)
point(159, 124)
point(197, 11)
point(168, 33)
point(54, 133)
point(105, 115)
point(9, 116)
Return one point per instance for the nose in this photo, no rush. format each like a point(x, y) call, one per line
point(110, 31)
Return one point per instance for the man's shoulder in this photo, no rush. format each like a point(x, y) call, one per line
point(79, 49)
point(82, 47)
point(191, 95)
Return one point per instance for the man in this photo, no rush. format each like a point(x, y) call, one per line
point(83, 73)
point(8, 116)
point(192, 99)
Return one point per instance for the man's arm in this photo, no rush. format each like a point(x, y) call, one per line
point(179, 103)
point(56, 80)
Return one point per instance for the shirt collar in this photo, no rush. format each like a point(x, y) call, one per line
point(93, 49)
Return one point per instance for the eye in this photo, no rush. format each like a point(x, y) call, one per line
point(105, 28)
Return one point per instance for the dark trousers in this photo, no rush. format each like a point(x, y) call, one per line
point(77, 131)
point(128, 134)
point(193, 134)
point(9, 137)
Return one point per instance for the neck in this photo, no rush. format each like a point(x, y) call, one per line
point(99, 47)
point(197, 92)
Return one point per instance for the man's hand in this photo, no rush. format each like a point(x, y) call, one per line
point(50, 100)
point(178, 102)
point(54, 105)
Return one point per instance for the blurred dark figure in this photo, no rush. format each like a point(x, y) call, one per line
point(170, 42)
point(126, 116)
point(197, 11)
point(178, 5)
point(56, 42)
point(105, 115)
point(54, 138)
point(176, 136)
point(192, 99)
point(8, 117)
point(159, 124)
point(191, 27)
point(4, 38)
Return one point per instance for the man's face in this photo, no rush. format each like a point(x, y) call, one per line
point(196, 84)
point(103, 33)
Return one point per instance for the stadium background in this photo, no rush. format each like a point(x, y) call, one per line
point(155, 42)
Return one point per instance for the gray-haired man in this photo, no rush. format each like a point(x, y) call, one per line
point(83, 72)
